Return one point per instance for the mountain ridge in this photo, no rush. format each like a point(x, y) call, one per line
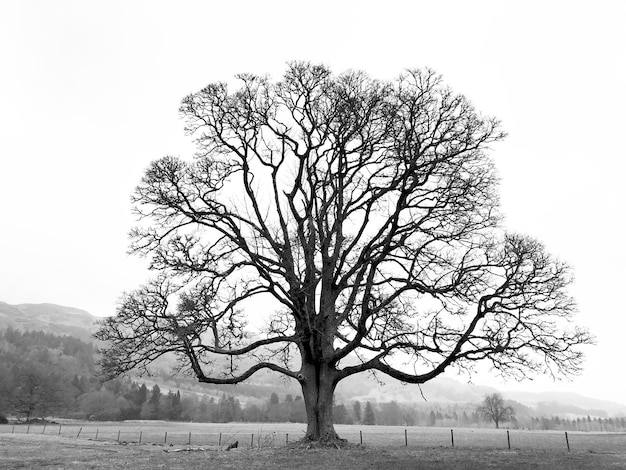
point(48, 317)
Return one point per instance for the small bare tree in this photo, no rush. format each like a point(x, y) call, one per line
point(494, 409)
point(367, 212)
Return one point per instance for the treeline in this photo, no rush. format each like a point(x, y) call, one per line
point(556, 423)
point(394, 414)
point(42, 374)
point(128, 400)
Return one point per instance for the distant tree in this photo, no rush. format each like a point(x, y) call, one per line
point(142, 394)
point(56, 392)
point(152, 408)
point(6, 387)
point(494, 409)
point(236, 407)
point(432, 418)
point(408, 418)
point(28, 393)
point(340, 414)
point(273, 411)
point(368, 416)
point(389, 414)
point(298, 414)
point(176, 409)
point(36, 392)
point(135, 396)
point(252, 413)
point(225, 410)
point(204, 410)
point(228, 409)
point(155, 395)
point(114, 386)
point(101, 405)
point(79, 384)
point(356, 407)
point(368, 211)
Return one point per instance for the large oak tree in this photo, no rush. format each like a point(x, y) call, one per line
point(359, 218)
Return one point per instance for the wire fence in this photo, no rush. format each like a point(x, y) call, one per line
point(256, 436)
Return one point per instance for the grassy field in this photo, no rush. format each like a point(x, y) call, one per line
point(74, 446)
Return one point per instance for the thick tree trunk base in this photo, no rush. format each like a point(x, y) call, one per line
point(324, 442)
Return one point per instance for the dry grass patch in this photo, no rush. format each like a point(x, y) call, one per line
point(53, 452)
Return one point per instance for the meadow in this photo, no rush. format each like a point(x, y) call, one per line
point(148, 445)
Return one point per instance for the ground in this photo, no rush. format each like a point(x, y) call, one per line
point(31, 451)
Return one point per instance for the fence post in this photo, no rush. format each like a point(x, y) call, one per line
point(28, 428)
point(118, 435)
point(165, 440)
point(252, 441)
point(189, 441)
point(97, 433)
point(79, 432)
point(508, 439)
point(220, 441)
point(44, 429)
point(567, 441)
point(140, 433)
point(361, 436)
point(59, 429)
point(406, 439)
point(287, 438)
point(452, 436)
point(13, 429)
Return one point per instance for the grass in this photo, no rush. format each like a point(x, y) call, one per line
point(429, 448)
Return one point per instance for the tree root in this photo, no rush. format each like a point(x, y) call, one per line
point(323, 443)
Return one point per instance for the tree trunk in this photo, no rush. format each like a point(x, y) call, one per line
point(318, 386)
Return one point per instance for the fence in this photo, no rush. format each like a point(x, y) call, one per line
point(255, 436)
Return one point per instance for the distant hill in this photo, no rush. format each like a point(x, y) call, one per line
point(439, 390)
point(444, 391)
point(49, 318)
point(561, 403)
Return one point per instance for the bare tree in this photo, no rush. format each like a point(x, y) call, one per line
point(358, 217)
point(35, 392)
point(494, 409)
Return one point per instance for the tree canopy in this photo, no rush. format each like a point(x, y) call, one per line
point(367, 212)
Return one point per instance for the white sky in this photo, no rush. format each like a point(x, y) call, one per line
point(89, 93)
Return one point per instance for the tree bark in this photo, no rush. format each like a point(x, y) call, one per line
point(318, 386)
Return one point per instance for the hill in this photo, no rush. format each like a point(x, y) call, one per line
point(564, 403)
point(50, 318)
point(447, 391)
point(440, 390)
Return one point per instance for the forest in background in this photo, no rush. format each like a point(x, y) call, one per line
point(44, 375)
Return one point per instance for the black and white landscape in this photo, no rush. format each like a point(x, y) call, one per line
point(45, 327)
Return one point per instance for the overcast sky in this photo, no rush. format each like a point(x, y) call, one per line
point(89, 93)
